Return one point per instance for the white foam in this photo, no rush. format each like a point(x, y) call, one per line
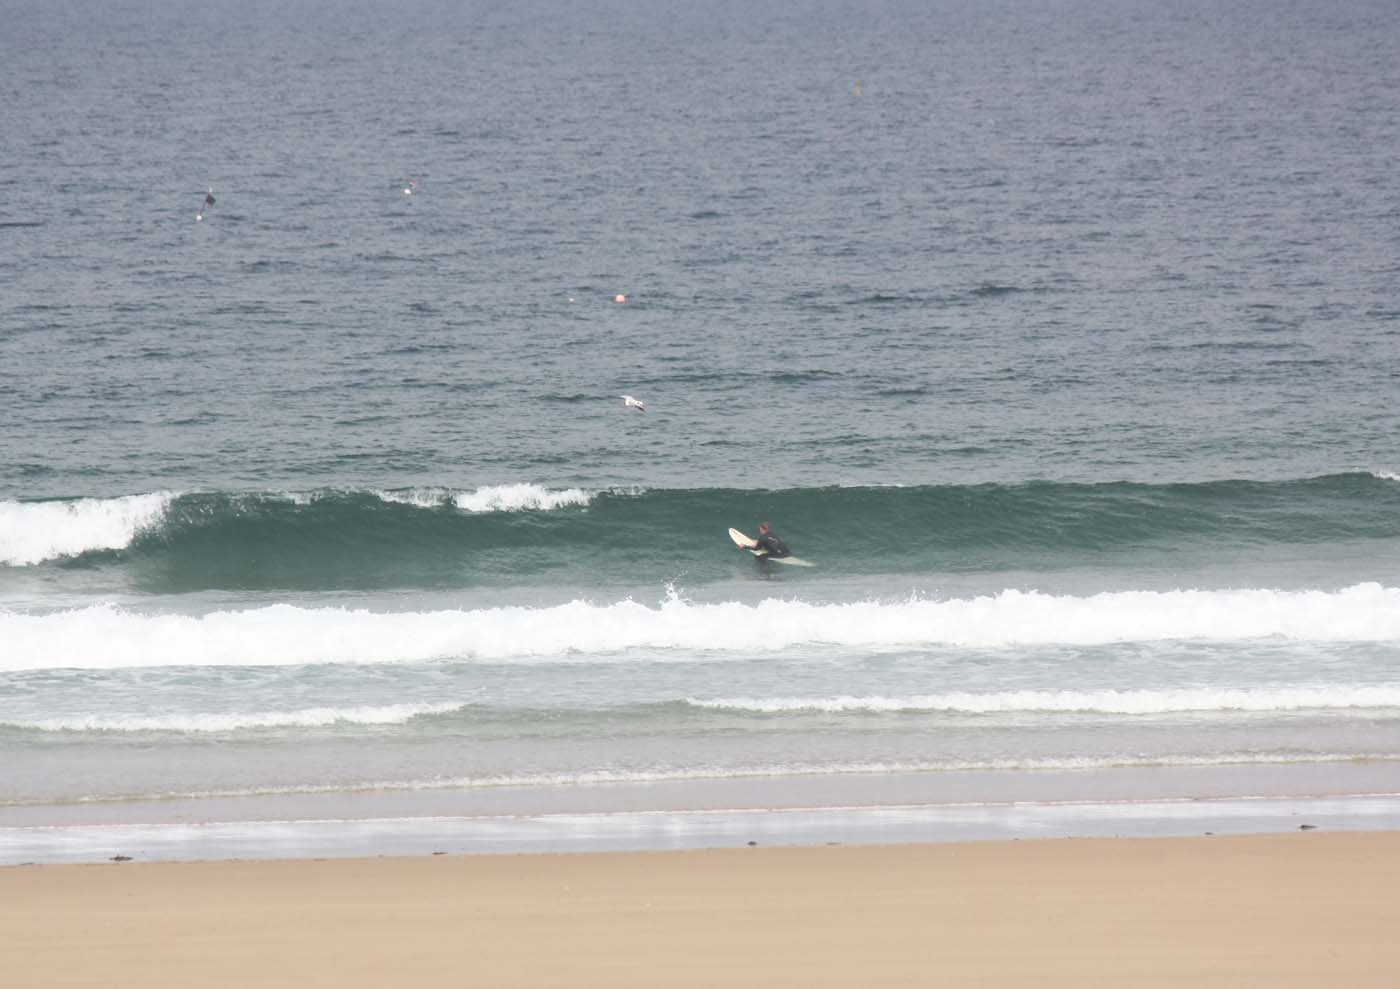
point(1295, 698)
point(493, 498)
point(313, 717)
point(1385, 475)
point(762, 771)
point(519, 497)
point(107, 636)
point(301, 498)
point(34, 531)
point(417, 497)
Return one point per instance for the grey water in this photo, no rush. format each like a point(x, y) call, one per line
point(879, 243)
point(1062, 337)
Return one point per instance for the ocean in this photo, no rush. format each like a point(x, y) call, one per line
point(1062, 339)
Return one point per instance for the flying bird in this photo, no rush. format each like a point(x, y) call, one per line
point(208, 201)
point(634, 403)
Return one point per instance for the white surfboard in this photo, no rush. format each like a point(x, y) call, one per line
point(741, 540)
point(744, 542)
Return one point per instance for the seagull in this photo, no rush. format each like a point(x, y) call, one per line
point(208, 201)
point(634, 403)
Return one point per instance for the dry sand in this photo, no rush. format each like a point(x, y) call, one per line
point(1308, 909)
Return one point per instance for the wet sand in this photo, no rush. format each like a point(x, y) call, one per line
point(1304, 909)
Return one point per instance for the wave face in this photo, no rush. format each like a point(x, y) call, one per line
point(106, 637)
point(509, 534)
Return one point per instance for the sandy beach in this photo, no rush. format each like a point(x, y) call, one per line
point(1306, 909)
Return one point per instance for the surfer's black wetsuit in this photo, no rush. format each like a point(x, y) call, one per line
point(776, 547)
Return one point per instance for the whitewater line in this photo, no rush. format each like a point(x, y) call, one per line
point(199, 723)
point(110, 637)
point(1163, 701)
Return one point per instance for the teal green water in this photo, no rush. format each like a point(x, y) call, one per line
point(435, 538)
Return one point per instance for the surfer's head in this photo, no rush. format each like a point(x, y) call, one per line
point(765, 527)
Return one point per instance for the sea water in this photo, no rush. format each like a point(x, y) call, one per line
point(1062, 339)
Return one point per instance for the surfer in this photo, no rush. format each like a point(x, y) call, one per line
point(768, 540)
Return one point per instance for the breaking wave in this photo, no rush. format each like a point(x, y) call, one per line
point(497, 498)
point(34, 531)
point(507, 533)
point(108, 637)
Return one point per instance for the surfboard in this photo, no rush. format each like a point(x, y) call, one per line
point(744, 542)
point(741, 540)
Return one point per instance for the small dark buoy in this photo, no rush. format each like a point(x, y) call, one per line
point(121, 858)
point(752, 844)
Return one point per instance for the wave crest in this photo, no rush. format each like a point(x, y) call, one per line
point(35, 531)
point(492, 498)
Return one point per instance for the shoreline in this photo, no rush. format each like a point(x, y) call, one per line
point(671, 830)
point(874, 808)
point(1265, 910)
